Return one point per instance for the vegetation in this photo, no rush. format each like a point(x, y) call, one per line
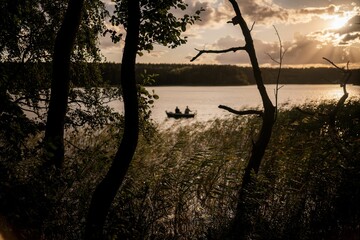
point(146, 23)
point(241, 224)
point(176, 184)
point(195, 75)
point(184, 183)
point(70, 30)
point(222, 75)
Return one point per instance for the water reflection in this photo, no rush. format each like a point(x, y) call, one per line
point(205, 100)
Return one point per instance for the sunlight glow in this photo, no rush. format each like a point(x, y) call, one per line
point(339, 22)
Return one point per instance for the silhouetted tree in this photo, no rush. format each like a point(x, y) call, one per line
point(241, 224)
point(146, 23)
point(107, 189)
point(64, 43)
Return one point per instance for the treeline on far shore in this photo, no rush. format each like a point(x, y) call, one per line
point(220, 75)
point(180, 74)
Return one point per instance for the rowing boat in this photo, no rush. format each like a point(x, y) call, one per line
point(179, 115)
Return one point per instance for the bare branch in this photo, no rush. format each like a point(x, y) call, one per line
point(233, 49)
point(273, 59)
point(336, 66)
point(252, 26)
point(245, 112)
point(347, 74)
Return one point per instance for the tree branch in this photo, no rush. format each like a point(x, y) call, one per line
point(233, 49)
point(332, 63)
point(240, 113)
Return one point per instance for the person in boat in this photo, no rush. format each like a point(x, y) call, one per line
point(187, 110)
point(177, 110)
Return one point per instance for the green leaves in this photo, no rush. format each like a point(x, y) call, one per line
point(146, 100)
point(159, 25)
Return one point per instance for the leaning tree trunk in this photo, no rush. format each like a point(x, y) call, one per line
point(64, 43)
point(105, 192)
point(241, 225)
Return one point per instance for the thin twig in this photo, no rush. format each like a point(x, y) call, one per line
point(252, 26)
point(280, 61)
point(273, 59)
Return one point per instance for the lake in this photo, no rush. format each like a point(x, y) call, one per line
point(205, 100)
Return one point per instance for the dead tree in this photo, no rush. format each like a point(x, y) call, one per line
point(330, 117)
point(240, 225)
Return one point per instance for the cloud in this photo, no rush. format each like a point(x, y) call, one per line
point(303, 50)
point(352, 26)
point(347, 35)
point(215, 12)
point(331, 9)
point(340, 45)
point(351, 37)
point(263, 10)
point(267, 12)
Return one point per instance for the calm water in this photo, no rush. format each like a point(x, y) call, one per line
point(205, 100)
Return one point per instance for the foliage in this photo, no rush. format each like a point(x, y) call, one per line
point(26, 46)
point(226, 75)
point(307, 181)
point(159, 25)
point(146, 101)
point(184, 182)
point(27, 38)
point(29, 30)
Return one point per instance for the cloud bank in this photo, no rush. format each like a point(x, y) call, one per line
point(306, 48)
point(340, 45)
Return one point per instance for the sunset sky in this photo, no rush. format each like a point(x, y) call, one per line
point(309, 30)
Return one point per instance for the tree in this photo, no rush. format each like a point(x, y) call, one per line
point(60, 84)
point(146, 23)
point(241, 224)
point(27, 35)
point(27, 40)
point(107, 189)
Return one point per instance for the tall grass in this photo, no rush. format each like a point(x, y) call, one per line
point(183, 184)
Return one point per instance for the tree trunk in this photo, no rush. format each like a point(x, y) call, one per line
point(54, 132)
point(241, 224)
point(105, 192)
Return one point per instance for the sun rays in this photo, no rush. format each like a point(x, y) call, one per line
point(339, 22)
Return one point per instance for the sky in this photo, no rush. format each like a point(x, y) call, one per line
point(309, 30)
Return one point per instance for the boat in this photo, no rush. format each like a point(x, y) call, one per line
point(179, 115)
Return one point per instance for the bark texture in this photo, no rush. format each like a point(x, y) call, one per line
point(105, 192)
point(241, 224)
point(64, 43)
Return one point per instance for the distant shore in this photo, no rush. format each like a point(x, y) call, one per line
point(227, 75)
point(189, 74)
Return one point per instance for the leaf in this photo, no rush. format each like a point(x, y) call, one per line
point(183, 27)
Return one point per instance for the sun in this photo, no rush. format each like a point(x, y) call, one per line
point(338, 22)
